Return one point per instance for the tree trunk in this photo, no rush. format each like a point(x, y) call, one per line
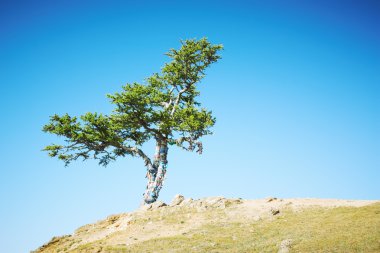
point(156, 173)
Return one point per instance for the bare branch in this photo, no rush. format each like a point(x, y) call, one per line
point(172, 89)
point(178, 98)
point(168, 104)
point(193, 143)
point(138, 152)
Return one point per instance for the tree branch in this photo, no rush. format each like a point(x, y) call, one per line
point(168, 104)
point(146, 125)
point(193, 143)
point(138, 152)
point(178, 98)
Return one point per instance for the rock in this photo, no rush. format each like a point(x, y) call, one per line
point(178, 199)
point(232, 202)
point(186, 202)
point(200, 205)
point(145, 207)
point(285, 246)
point(274, 211)
point(157, 205)
point(270, 199)
point(215, 201)
point(153, 206)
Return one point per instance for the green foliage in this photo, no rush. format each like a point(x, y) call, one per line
point(164, 108)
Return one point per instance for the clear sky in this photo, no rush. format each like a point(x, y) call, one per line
point(296, 97)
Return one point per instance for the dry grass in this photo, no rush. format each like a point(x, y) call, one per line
point(343, 229)
point(313, 229)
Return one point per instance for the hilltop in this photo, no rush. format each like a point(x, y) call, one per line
point(217, 224)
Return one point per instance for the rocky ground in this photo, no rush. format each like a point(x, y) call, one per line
point(217, 224)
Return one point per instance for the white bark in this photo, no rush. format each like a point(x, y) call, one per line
point(156, 174)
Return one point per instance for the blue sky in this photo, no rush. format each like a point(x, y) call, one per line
point(296, 97)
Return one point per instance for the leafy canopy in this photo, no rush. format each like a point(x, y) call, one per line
point(164, 108)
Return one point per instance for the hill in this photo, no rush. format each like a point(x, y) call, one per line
point(217, 224)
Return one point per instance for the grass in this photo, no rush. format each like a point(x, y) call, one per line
point(344, 229)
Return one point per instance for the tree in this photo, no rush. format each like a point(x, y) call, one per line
point(164, 109)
